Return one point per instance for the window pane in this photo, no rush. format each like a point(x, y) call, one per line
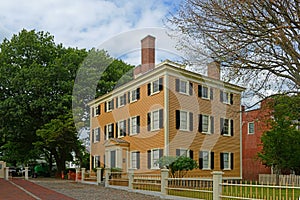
point(133, 95)
point(205, 123)
point(155, 120)
point(226, 160)
point(155, 157)
point(134, 160)
point(205, 159)
point(183, 120)
point(250, 127)
point(204, 92)
point(155, 86)
point(133, 125)
point(182, 86)
point(226, 126)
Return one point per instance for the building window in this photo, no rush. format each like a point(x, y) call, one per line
point(121, 128)
point(97, 110)
point(134, 95)
point(184, 87)
point(134, 125)
point(113, 159)
point(97, 134)
point(206, 160)
point(206, 124)
point(226, 97)
point(109, 131)
point(155, 120)
point(184, 120)
point(184, 152)
point(135, 160)
point(153, 156)
point(109, 105)
point(155, 86)
point(226, 160)
point(205, 92)
point(226, 127)
point(251, 128)
point(96, 162)
point(121, 101)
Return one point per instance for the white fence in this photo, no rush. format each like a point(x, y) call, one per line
point(283, 179)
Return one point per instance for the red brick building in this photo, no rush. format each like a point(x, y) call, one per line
point(254, 124)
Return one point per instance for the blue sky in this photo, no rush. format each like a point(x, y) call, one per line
point(83, 23)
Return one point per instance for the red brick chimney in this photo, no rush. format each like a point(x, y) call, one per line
point(213, 70)
point(147, 56)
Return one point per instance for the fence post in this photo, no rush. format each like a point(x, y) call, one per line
point(6, 171)
point(217, 187)
point(130, 178)
point(82, 174)
point(164, 181)
point(107, 174)
point(77, 173)
point(99, 175)
point(26, 173)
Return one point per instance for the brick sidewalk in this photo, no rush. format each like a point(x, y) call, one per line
point(9, 190)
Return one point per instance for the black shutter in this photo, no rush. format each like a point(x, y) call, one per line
point(93, 114)
point(231, 161)
point(112, 130)
point(212, 124)
point(199, 90)
point(99, 109)
point(191, 89)
point(105, 107)
point(105, 132)
point(161, 118)
point(200, 123)
point(177, 152)
point(177, 119)
point(92, 161)
point(138, 93)
point(125, 100)
point(117, 102)
point(118, 132)
point(161, 84)
point(98, 134)
point(161, 154)
point(212, 160)
point(112, 104)
point(93, 132)
point(149, 159)
point(149, 89)
point(128, 97)
point(221, 161)
point(138, 124)
point(191, 121)
point(221, 96)
point(128, 128)
point(231, 127)
point(200, 159)
point(211, 94)
point(149, 121)
point(231, 99)
point(222, 126)
point(177, 85)
point(124, 131)
point(191, 154)
point(138, 160)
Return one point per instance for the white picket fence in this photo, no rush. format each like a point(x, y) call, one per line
point(283, 179)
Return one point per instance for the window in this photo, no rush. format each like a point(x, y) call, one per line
point(135, 160)
point(97, 161)
point(226, 127)
point(112, 159)
point(134, 95)
point(97, 134)
point(251, 128)
point(121, 101)
point(205, 92)
point(184, 120)
point(184, 152)
point(206, 124)
point(134, 125)
point(206, 160)
point(153, 157)
point(97, 110)
point(109, 105)
point(155, 86)
point(226, 160)
point(109, 131)
point(184, 87)
point(121, 128)
point(155, 120)
point(226, 97)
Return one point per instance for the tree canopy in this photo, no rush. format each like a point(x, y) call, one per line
point(255, 41)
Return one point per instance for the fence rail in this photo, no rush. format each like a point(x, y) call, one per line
point(283, 179)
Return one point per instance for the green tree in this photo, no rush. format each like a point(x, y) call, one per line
point(256, 41)
point(281, 144)
point(178, 166)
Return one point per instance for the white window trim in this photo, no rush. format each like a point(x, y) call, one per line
point(95, 134)
point(107, 130)
point(152, 160)
point(187, 151)
point(131, 153)
point(107, 106)
point(208, 92)
point(209, 125)
point(130, 98)
point(187, 120)
point(152, 86)
point(248, 126)
point(119, 101)
point(119, 130)
point(131, 133)
point(152, 121)
point(95, 111)
point(228, 97)
point(229, 127)
point(209, 161)
point(229, 160)
point(186, 87)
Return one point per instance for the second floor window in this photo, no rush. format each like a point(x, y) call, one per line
point(109, 131)
point(155, 86)
point(121, 101)
point(121, 128)
point(134, 95)
point(226, 127)
point(155, 120)
point(206, 124)
point(205, 92)
point(184, 120)
point(184, 87)
point(251, 128)
point(134, 125)
point(109, 105)
point(226, 97)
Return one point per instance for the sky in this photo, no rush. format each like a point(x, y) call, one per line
point(92, 23)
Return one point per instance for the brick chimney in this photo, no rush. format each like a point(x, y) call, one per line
point(213, 70)
point(147, 56)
